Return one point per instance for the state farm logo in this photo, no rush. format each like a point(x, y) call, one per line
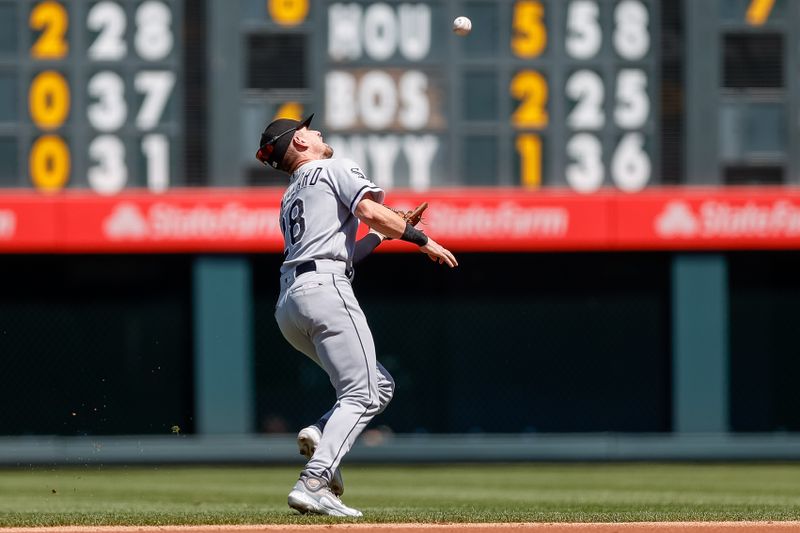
point(507, 219)
point(721, 219)
point(8, 223)
point(125, 222)
point(164, 221)
point(677, 220)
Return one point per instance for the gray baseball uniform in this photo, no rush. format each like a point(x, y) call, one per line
point(317, 311)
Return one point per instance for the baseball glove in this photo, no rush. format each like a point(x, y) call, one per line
point(414, 216)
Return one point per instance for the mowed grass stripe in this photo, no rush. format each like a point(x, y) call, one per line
point(424, 493)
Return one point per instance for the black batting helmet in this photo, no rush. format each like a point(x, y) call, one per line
point(275, 140)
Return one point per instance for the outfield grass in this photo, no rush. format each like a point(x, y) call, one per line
point(427, 493)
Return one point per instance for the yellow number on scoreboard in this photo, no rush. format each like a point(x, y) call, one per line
point(52, 20)
point(48, 100)
point(529, 148)
point(293, 110)
point(49, 163)
point(529, 37)
point(288, 12)
point(531, 88)
point(758, 11)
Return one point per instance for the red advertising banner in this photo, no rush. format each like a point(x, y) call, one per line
point(246, 220)
point(510, 219)
point(729, 218)
point(28, 222)
point(206, 220)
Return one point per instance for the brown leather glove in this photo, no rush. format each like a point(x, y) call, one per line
point(414, 216)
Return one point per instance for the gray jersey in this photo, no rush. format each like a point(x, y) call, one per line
point(317, 211)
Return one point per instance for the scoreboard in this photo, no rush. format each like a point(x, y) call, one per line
point(541, 93)
point(90, 94)
point(584, 95)
point(537, 94)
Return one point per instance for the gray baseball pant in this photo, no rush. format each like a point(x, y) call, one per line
point(319, 315)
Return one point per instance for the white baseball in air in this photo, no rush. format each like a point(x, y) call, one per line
point(462, 26)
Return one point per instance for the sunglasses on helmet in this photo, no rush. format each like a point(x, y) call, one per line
point(268, 147)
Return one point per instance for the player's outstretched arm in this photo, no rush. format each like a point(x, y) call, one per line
point(388, 223)
point(380, 218)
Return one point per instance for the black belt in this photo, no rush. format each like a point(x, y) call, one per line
point(302, 268)
point(311, 266)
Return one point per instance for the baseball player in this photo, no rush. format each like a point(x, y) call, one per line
point(317, 311)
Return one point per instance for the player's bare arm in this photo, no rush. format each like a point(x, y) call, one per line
point(386, 222)
point(380, 218)
point(373, 239)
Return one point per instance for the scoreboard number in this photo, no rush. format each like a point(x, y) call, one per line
point(109, 110)
point(758, 11)
point(529, 38)
point(49, 163)
point(585, 87)
point(288, 12)
point(155, 147)
point(629, 165)
point(584, 35)
point(156, 85)
point(585, 173)
point(52, 20)
point(49, 104)
point(633, 104)
point(48, 100)
point(153, 39)
point(116, 120)
point(530, 87)
point(631, 35)
point(107, 18)
point(529, 148)
point(604, 140)
point(110, 173)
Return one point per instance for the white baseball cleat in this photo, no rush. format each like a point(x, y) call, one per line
point(312, 495)
point(307, 442)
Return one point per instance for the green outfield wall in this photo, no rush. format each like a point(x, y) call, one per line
point(529, 344)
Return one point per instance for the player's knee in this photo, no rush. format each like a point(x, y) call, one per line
point(386, 391)
point(367, 400)
point(360, 399)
